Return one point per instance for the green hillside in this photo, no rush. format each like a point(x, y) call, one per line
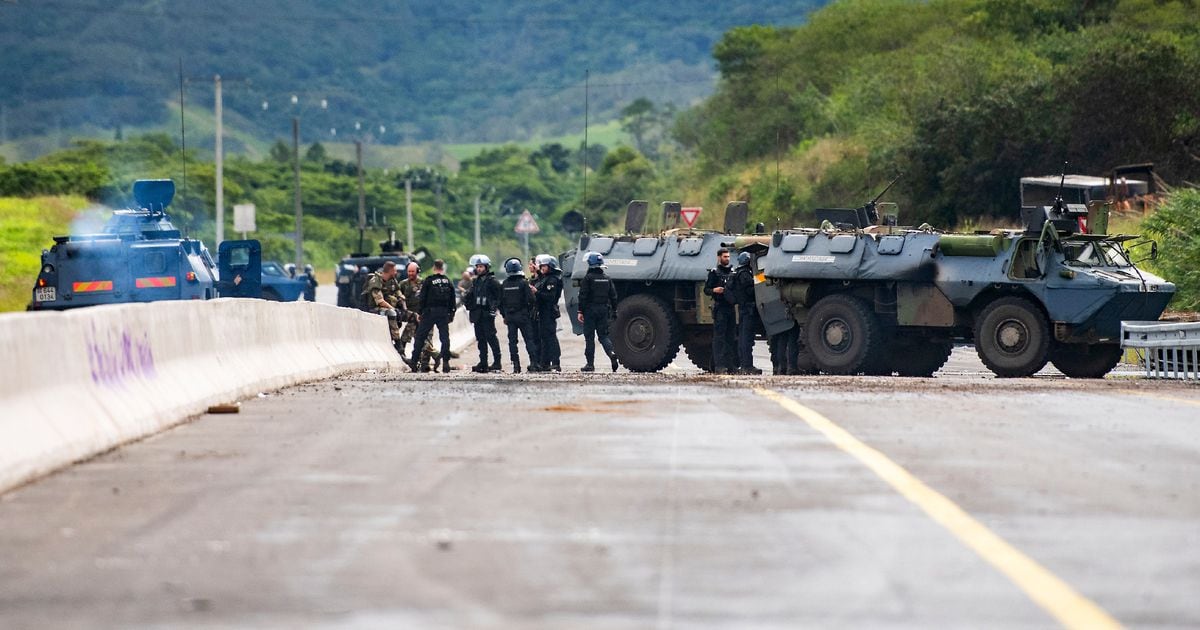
point(448, 72)
point(961, 97)
point(27, 226)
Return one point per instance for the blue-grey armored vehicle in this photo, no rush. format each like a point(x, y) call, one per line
point(141, 257)
point(659, 280)
point(879, 299)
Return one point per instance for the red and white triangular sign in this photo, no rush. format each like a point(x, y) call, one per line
point(690, 215)
point(526, 224)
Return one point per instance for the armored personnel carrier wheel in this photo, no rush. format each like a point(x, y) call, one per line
point(646, 334)
point(699, 350)
point(918, 357)
point(1012, 337)
point(1084, 361)
point(843, 335)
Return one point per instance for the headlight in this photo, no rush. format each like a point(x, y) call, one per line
point(48, 268)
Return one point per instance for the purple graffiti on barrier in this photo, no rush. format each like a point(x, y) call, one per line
point(118, 355)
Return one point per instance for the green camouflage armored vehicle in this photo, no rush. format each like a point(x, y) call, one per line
point(880, 299)
point(659, 280)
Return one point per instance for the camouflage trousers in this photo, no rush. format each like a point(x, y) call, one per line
point(410, 331)
point(393, 323)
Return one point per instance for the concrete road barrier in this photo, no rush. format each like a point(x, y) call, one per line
point(78, 383)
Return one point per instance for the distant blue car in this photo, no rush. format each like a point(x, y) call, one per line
point(279, 285)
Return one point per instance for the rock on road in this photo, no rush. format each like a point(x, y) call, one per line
point(622, 501)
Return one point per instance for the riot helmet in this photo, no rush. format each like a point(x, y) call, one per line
point(512, 266)
point(743, 259)
point(547, 260)
point(595, 259)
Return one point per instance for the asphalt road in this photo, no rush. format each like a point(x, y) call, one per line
point(632, 501)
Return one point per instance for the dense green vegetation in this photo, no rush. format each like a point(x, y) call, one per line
point(961, 96)
point(457, 71)
point(1176, 225)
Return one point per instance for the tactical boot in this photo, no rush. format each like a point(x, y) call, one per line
point(445, 365)
point(481, 368)
point(614, 362)
point(588, 368)
point(556, 367)
point(517, 367)
point(495, 366)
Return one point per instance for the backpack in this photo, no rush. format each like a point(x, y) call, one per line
point(730, 293)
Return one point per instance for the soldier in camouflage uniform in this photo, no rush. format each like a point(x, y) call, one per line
point(381, 294)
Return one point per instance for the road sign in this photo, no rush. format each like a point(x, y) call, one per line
point(526, 224)
point(243, 218)
point(689, 215)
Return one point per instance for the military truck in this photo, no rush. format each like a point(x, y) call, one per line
point(879, 299)
point(660, 285)
point(351, 272)
point(140, 256)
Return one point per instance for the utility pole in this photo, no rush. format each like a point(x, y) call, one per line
point(478, 242)
point(408, 220)
point(220, 165)
point(299, 208)
point(362, 200)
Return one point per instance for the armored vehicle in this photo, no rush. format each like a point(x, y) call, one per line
point(351, 273)
point(879, 299)
point(141, 257)
point(659, 280)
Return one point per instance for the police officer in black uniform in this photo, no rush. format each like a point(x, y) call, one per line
point(597, 297)
point(517, 307)
point(437, 304)
point(742, 285)
point(548, 290)
point(724, 344)
point(481, 301)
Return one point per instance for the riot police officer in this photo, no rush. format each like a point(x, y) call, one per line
point(597, 298)
point(437, 304)
point(310, 288)
point(381, 294)
point(548, 290)
point(517, 306)
point(724, 316)
point(742, 285)
point(481, 300)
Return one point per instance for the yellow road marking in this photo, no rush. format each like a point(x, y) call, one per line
point(1055, 596)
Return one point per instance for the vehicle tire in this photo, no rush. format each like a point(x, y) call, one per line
point(843, 336)
point(1085, 361)
point(646, 334)
point(699, 350)
point(1012, 337)
point(919, 358)
point(271, 295)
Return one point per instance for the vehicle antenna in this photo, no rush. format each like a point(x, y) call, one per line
point(182, 137)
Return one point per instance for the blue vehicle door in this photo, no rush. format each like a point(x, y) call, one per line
point(239, 264)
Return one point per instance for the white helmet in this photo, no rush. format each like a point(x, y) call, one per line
point(481, 259)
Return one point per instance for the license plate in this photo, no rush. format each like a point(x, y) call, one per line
point(45, 294)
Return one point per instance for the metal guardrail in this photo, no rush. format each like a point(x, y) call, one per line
point(1167, 350)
